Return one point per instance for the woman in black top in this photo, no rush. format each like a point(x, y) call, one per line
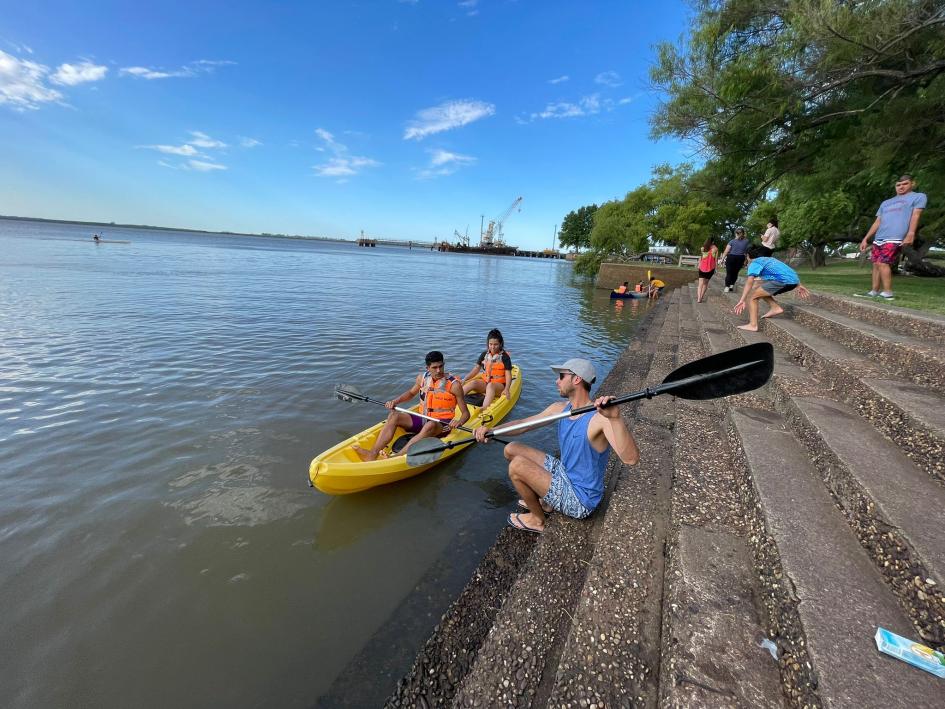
point(495, 367)
point(734, 258)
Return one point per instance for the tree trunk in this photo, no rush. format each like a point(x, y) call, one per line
point(818, 256)
point(913, 257)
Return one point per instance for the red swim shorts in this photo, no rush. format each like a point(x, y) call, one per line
point(885, 253)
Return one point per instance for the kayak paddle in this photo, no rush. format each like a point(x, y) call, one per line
point(724, 374)
point(349, 393)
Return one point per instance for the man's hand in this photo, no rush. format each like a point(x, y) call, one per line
point(390, 404)
point(863, 246)
point(910, 237)
point(610, 412)
point(739, 307)
point(481, 434)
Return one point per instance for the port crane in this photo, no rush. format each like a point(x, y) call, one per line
point(462, 239)
point(493, 236)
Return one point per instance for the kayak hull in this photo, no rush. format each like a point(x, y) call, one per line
point(614, 295)
point(339, 470)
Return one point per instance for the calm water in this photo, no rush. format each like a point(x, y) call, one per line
point(159, 404)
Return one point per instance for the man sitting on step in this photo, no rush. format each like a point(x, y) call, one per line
point(767, 277)
point(573, 484)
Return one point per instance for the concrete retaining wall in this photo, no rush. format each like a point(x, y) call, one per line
point(611, 275)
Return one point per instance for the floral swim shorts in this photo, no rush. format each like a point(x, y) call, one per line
point(885, 253)
point(561, 495)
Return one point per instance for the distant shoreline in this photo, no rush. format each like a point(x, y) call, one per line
point(177, 229)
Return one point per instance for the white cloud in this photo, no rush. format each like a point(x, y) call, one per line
point(202, 140)
point(443, 162)
point(195, 68)
point(625, 100)
point(559, 80)
point(73, 74)
point(586, 106)
point(23, 83)
point(468, 3)
point(342, 164)
point(184, 150)
point(204, 166)
point(608, 78)
point(249, 142)
point(446, 116)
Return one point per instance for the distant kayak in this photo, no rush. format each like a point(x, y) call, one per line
point(629, 295)
point(109, 241)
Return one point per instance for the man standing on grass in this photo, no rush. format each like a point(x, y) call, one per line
point(895, 225)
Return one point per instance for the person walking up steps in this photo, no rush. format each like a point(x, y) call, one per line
point(896, 222)
point(734, 258)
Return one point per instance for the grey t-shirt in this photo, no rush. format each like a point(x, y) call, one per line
point(894, 216)
point(738, 247)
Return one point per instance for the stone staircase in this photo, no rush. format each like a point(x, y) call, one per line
point(808, 513)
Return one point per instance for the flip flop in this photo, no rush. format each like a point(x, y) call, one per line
point(523, 506)
point(515, 521)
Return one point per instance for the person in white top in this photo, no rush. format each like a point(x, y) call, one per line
point(770, 239)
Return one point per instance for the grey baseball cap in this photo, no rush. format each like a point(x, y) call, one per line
point(582, 367)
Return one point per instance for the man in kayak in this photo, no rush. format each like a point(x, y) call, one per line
point(573, 484)
point(622, 289)
point(440, 394)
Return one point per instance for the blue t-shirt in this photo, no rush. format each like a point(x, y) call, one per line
point(768, 268)
point(894, 216)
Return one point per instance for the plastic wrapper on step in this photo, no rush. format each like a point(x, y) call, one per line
point(916, 654)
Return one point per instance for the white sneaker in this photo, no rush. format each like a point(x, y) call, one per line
point(886, 295)
point(868, 294)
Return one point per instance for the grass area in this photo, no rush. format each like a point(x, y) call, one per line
point(849, 277)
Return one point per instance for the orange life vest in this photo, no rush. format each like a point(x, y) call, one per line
point(494, 372)
point(438, 401)
point(622, 289)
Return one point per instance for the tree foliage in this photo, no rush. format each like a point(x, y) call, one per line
point(576, 228)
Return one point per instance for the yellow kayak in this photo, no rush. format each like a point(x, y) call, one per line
point(339, 470)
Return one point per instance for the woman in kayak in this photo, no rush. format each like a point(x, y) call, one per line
point(492, 373)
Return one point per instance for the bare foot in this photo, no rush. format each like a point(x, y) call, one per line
point(750, 328)
point(364, 454)
point(772, 313)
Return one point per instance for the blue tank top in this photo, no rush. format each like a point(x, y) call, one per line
point(584, 465)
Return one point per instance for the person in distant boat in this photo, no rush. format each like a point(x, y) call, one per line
point(767, 277)
point(641, 285)
point(656, 287)
point(440, 394)
point(623, 289)
point(492, 373)
point(573, 484)
point(96, 238)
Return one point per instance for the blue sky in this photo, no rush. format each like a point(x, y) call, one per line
point(405, 119)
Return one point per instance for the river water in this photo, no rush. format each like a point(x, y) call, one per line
point(159, 404)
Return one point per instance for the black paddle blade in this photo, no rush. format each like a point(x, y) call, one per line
point(347, 393)
point(724, 374)
point(429, 450)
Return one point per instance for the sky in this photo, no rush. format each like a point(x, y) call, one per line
point(407, 119)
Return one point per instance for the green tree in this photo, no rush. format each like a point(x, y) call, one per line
point(812, 98)
point(576, 228)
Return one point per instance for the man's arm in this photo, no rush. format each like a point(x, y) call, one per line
point(740, 305)
point(555, 408)
point(913, 225)
point(608, 422)
point(457, 390)
point(869, 234)
point(406, 396)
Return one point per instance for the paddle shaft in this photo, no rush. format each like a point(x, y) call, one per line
point(647, 393)
point(368, 399)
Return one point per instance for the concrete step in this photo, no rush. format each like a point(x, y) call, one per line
point(892, 406)
point(894, 508)
point(534, 647)
point(712, 656)
point(925, 326)
point(824, 594)
point(611, 655)
point(919, 360)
